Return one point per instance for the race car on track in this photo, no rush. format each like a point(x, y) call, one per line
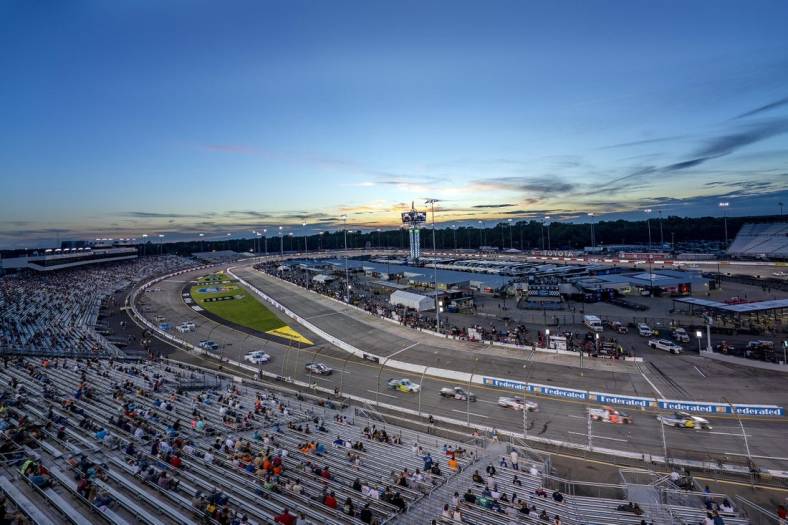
point(684, 420)
point(609, 415)
point(320, 369)
point(208, 344)
point(403, 385)
point(666, 345)
point(517, 403)
point(257, 357)
point(457, 392)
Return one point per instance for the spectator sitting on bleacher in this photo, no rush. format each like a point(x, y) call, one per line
point(542, 493)
point(285, 518)
point(726, 507)
point(558, 497)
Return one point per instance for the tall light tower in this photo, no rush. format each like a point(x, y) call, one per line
point(724, 205)
point(306, 248)
point(593, 240)
point(661, 238)
point(454, 231)
point(414, 220)
point(438, 304)
point(648, 223)
point(281, 242)
point(347, 272)
point(265, 239)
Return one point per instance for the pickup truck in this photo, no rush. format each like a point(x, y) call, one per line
point(456, 392)
point(681, 335)
point(666, 345)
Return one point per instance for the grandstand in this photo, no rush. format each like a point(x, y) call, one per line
point(55, 313)
point(761, 241)
point(90, 441)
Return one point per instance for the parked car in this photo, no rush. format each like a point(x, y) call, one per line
point(681, 335)
point(457, 392)
point(666, 345)
point(619, 327)
point(645, 330)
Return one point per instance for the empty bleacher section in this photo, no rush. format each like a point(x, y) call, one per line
point(55, 313)
point(103, 441)
point(766, 241)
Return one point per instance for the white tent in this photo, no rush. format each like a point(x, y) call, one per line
point(323, 278)
point(417, 302)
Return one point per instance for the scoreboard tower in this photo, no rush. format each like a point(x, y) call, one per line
point(414, 220)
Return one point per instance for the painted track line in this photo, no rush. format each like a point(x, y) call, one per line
point(471, 413)
point(598, 437)
point(650, 383)
point(402, 350)
point(382, 394)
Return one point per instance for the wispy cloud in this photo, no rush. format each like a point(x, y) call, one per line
point(505, 205)
point(766, 107)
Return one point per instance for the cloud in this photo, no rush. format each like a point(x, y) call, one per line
point(767, 107)
point(644, 142)
point(686, 164)
point(494, 205)
point(536, 185)
point(155, 215)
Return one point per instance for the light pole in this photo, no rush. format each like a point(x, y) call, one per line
point(438, 307)
point(202, 247)
point(379, 245)
point(144, 242)
point(306, 248)
point(661, 238)
point(481, 235)
point(161, 242)
point(347, 272)
point(454, 232)
point(724, 205)
point(699, 335)
point(259, 241)
point(265, 239)
point(547, 225)
point(593, 241)
point(648, 223)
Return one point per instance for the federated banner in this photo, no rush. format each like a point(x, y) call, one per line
point(552, 391)
point(630, 401)
point(758, 410)
point(695, 406)
point(506, 383)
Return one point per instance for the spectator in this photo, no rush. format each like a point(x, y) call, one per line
point(285, 518)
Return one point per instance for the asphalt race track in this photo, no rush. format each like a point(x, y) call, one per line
point(675, 377)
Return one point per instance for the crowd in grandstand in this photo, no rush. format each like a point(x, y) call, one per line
point(56, 312)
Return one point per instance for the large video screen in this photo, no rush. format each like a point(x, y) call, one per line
point(409, 217)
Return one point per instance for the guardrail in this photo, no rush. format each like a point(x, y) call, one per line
point(509, 384)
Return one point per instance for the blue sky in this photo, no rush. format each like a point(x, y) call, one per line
point(122, 118)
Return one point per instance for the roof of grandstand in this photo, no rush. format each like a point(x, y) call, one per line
point(769, 240)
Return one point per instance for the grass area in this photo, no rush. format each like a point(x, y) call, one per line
point(243, 310)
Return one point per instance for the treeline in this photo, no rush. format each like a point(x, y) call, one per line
point(520, 235)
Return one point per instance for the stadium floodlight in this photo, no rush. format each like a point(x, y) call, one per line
point(724, 206)
point(593, 240)
point(648, 223)
point(306, 248)
point(432, 202)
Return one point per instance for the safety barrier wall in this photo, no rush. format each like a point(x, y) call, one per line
point(508, 384)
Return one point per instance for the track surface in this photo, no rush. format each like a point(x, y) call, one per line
point(676, 377)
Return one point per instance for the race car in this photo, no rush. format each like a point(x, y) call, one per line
point(609, 415)
point(456, 392)
point(684, 420)
point(320, 369)
point(183, 328)
point(208, 344)
point(403, 385)
point(666, 345)
point(257, 357)
point(517, 403)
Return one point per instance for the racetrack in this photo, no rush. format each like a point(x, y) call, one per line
point(557, 419)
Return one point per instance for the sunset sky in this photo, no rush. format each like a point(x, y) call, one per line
point(122, 118)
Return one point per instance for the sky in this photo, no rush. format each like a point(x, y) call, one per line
point(184, 117)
